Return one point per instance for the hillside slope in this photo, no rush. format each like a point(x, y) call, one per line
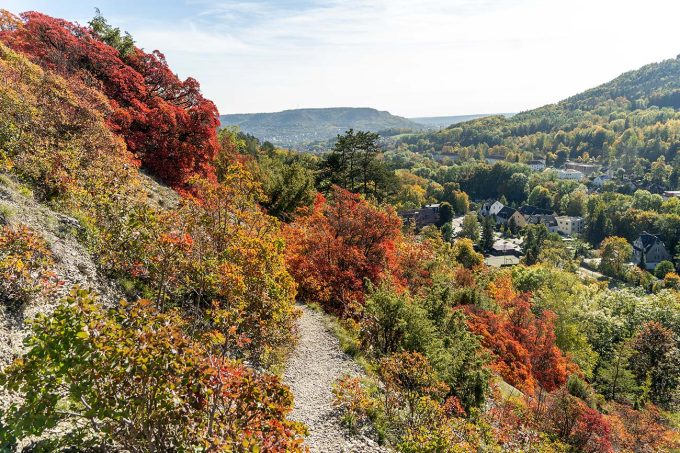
point(631, 117)
point(295, 127)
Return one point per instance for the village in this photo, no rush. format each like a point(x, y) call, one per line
point(510, 223)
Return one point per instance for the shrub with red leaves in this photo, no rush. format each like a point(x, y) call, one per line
point(167, 123)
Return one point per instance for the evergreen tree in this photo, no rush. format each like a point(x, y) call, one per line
point(487, 234)
point(445, 214)
point(533, 243)
point(353, 165)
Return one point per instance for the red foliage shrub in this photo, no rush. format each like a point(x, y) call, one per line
point(165, 122)
point(523, 343)
point(337, 246)
point(585, 429)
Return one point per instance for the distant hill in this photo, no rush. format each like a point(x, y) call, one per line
point(434, 122)
point(300, 126)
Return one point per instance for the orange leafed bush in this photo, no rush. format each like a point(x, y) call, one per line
point(25, 265)
point(523, 343)
point(342, 242)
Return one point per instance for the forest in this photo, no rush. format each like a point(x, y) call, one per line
point(209, 238)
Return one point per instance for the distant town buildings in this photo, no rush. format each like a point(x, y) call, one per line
point(599, 181)
point(535, 216)
point(493, 158)
point(509, 216)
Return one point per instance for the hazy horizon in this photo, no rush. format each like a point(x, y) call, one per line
point(436, 58)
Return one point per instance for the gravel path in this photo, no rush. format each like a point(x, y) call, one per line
point(312, 369)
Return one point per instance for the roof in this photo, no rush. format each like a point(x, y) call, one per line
point(568, 217)
point(534, 210)
point(648, 240)
point(506, 212)
point(581, 165)
point(545, 219)
point(536, 161)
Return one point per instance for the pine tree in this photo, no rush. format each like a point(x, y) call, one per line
point(487, 234)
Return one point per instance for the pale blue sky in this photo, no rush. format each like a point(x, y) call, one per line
point(413, 58)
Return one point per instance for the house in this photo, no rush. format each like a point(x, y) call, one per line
point(420, 218)
point(504, 247)
point(548, 220)
point(569, 225)
point(570, 174)
point(493, 158)
point(651, 249)
point(508, 216)
point(671, 194)
point(536, 164)
point(600, 180)
point(527, 210)
point(586, 169)
point(490, 208)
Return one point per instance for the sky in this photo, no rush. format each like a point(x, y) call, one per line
point(409, 57)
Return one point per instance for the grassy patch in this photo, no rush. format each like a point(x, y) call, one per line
point(6, 212)
point(26, 191)
point(348, 333)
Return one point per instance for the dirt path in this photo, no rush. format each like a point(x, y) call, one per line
point(312, 369)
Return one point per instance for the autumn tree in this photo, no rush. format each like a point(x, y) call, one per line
point(540, 197)
point(585, 429)
point(535, 237)
point(342, 242)
point(615, 253)
point(663, 268)
point(464, 253)
point(524, 344)
point(445, 214)
point(656, 357)
point(461, 202)
point(470, 227)
point(26, 264)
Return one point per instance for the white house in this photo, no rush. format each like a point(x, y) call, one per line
point(571, 174)
point(536, 165)
point(491, 209)
point(586, 169)
point(600, 180)
point(651, 248)
point(568, 225)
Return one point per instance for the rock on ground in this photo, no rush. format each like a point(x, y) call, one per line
point(314, 366)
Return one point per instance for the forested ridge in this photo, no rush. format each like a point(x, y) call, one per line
point(203, 239)
point(631, 118)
